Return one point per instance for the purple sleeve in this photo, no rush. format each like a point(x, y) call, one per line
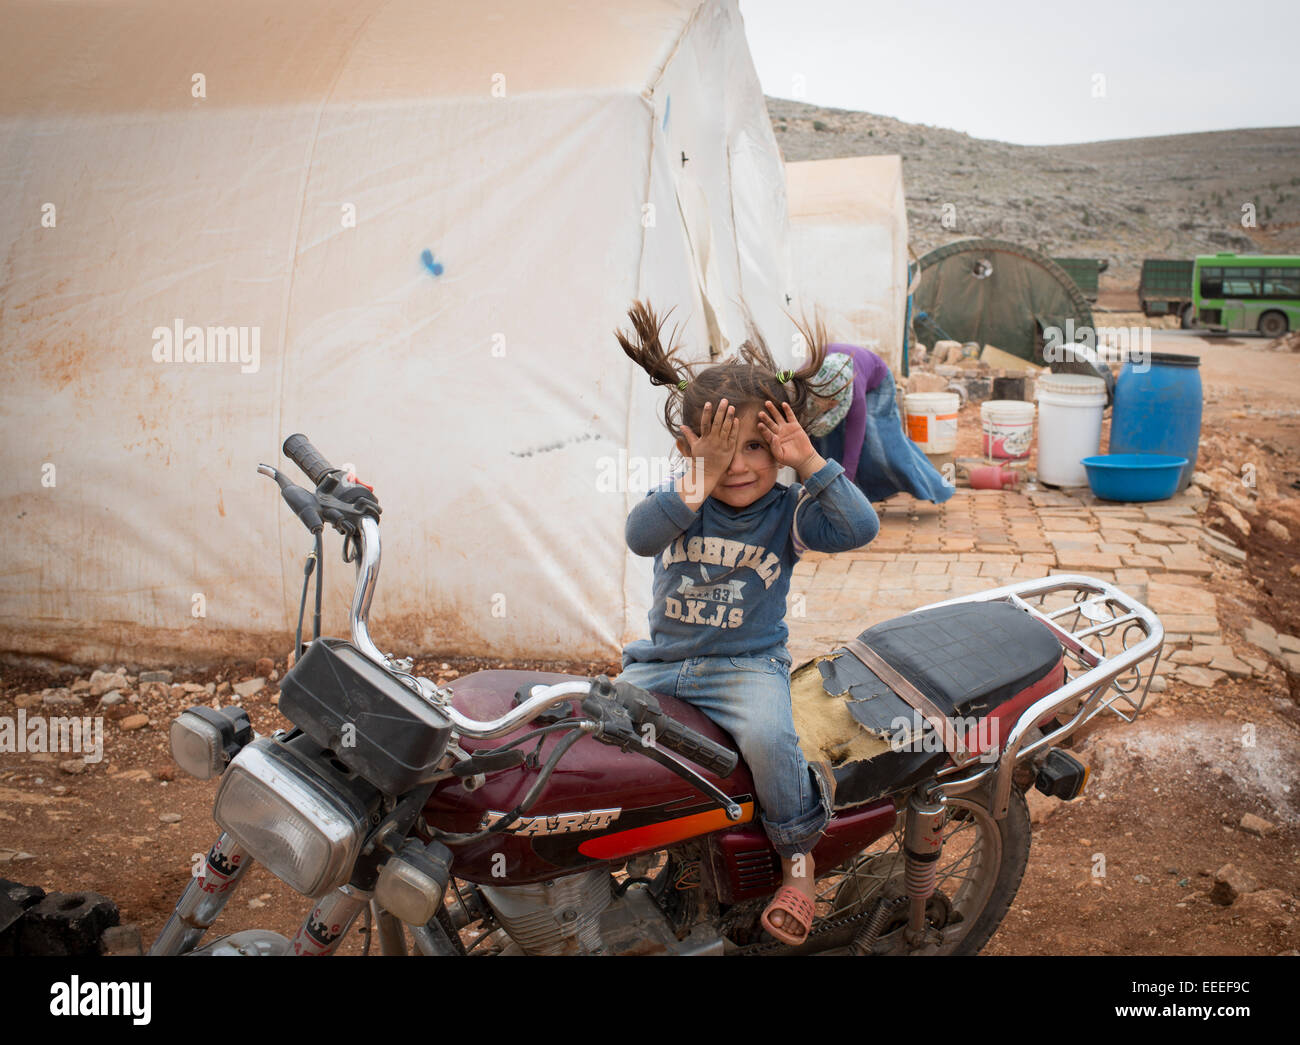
point(869, 370)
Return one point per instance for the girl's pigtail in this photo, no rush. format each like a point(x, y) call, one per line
point(814, 334)
point(645, 348)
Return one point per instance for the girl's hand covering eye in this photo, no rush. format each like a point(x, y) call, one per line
point(785, 437)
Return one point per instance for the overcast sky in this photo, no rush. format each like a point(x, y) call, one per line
point(1033, 72)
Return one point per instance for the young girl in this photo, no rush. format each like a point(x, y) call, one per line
point(726, 537)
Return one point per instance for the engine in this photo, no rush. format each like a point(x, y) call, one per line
point(561, 916)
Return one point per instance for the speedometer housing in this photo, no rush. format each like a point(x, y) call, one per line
point(374, 724)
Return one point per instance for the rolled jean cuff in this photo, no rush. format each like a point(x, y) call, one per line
point(801, 834)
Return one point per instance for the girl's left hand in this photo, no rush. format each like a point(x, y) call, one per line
point(785, 437)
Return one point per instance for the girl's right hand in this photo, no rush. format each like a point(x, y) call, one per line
point(711, 452)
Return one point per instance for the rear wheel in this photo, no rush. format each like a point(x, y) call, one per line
point(1273, 324)
point(980, 869)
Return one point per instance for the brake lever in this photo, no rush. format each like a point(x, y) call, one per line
point(616, 729)
point(670, 762)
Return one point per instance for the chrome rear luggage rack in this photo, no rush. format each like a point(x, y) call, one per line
point(1112, 647)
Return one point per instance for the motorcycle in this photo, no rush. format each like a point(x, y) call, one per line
point(537, 813)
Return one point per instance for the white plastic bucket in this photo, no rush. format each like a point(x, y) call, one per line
point(1069, 426)
point(932, 420)
point(1008, 428)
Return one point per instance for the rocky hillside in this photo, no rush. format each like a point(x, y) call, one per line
point(1173, 196)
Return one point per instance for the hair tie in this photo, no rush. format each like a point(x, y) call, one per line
point(785, 376)
point(681, 385)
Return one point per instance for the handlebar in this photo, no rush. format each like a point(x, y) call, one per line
point(359, 514)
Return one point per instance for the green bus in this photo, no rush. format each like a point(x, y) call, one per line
point(1232, 292)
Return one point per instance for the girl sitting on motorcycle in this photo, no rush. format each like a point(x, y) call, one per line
point(726, 537)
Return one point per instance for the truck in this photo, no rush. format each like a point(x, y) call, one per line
point(1165, 288)
point(1084, 272)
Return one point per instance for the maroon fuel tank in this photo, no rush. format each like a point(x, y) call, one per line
point(600, 805)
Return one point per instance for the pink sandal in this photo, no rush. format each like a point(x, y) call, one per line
point(793, 904)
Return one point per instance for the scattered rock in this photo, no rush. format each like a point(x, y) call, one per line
point(110, 698)
point(1231, 883)
point(1270, 907)
point(102, 681)
point(1258, 664)
point(60, 698)
point(73, 766)
point(164, 677)
point(1231, 666)
point(1257, 633)
point(14, 856)
point(249, 686)
point(27, 700)
point(1277, 530)
point(192, 687)
point(137, 775)
point(1234, 518)
point(1289, 643)
point(264, 667)
point(1200, 677)
point(1141, 879)
point(1041, 806)
point(121, 940)
point(169, 818)
point(1256, 825)
point(135, 721)
point(223, 689)
point(80, 686)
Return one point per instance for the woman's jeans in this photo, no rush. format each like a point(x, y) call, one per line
point(749, 697)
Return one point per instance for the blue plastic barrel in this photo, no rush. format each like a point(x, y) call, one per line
point(1157, 409)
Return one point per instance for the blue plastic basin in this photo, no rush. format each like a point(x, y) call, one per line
point(1134, 477)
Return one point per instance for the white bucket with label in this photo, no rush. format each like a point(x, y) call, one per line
point(1069, 426)
point(1008, 428)
point(932, 420)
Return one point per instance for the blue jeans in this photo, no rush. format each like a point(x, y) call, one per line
point(749, 697)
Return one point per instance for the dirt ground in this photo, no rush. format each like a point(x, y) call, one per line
point(1161, 814)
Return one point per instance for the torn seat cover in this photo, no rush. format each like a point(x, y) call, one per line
point(980, 664)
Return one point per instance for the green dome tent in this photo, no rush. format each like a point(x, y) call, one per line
point(996, 293)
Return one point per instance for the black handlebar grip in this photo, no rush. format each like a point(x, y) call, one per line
point(695, 746)
point(645, 710)
point(299, 450)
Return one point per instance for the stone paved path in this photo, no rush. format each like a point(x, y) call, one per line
point(981, 539)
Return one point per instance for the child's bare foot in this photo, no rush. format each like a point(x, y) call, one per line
point(790, 918)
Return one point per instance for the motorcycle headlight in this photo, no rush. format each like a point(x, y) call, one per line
point(306, 833)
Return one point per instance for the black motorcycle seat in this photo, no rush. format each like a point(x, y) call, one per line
point(967, 659)
point(971, 660)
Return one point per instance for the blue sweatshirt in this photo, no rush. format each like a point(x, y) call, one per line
point(722, 574)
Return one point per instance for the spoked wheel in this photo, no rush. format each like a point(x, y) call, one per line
point(980, 869)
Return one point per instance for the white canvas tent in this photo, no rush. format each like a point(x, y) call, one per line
point(848, 245)
point(428, 217)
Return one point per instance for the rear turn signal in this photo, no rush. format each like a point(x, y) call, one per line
point(1061, 775)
